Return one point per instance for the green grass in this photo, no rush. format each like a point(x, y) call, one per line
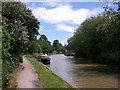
point(48, 78)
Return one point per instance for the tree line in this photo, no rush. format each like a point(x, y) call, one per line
point(43, 46)
point(98, 37)
point(19, 37)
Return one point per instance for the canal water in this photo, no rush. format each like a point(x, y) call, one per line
point(83, 73)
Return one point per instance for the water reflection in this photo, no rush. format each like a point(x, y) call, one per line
point(83, 73)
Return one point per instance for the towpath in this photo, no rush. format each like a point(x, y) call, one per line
point(26, 76)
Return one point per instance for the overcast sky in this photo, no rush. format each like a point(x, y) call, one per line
point(58, 20)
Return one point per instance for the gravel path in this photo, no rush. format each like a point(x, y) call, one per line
point(27, 77)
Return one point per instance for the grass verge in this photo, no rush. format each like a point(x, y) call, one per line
point(47, 78)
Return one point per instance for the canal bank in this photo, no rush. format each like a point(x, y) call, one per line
point(47, 77)
point(83, 73)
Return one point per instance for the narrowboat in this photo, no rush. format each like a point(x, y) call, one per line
point(43, 58)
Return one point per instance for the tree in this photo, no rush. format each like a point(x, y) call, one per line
point(111, 31)
point(21, 25)
point(45, 44)
point(58, 46)
point(98, 37)
point(35, 47)
point(43, 38)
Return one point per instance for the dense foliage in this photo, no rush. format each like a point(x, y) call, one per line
point(99, 37)
point(0, 56)
point(19, 30)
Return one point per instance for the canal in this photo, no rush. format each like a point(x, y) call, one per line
point(83, 73)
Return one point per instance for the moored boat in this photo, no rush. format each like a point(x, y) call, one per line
point(69, 53)
point(43, 58)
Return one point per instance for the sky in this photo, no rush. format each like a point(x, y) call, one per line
point(59, 20)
